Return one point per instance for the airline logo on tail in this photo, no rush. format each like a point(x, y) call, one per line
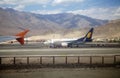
point(20, 36)
point(88, 37)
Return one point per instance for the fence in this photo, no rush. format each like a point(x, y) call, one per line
point(59, 59)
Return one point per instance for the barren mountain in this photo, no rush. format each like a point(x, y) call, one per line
point(11, 21)
point(109, 30)
point(64, 25)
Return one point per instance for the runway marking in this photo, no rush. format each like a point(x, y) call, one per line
point(48, 50)
point(60, 55)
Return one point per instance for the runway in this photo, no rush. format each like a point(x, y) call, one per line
point(60, 56)
point(61, 51)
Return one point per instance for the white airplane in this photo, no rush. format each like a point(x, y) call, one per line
point(70, 42)
point(19, 37)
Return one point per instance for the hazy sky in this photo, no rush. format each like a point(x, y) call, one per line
point(100, 9)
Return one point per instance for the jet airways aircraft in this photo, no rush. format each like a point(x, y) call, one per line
point(86, 38)
point(19, 37)
point(71, 42)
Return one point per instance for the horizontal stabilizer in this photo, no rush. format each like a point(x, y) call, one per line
point(20, 36)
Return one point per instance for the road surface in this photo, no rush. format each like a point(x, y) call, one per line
point(61, 51)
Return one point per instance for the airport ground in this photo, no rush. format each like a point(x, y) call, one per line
point(60, 51)
point(36, 45)
point(36, 50)
point(57, 55)
point(62, 73)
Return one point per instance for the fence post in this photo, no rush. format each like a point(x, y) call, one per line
point(115, 59)
point(78, 59)
point(27, 60)
point(102, 59)
point(41, 60)
point(0, 60)
point(90, 59)
point(66, 59)
point(14, 61)
point(53, 59)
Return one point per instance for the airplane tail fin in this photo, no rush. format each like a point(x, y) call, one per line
point(20, 36)
point(88, 36)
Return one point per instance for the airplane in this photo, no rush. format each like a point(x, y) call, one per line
point(86, 38)
point(19, 37)
point(71, 42)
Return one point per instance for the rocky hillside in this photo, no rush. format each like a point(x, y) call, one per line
point(11, 21)
point(110, 30)
point(64, 25)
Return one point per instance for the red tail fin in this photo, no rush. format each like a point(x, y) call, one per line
point(21, 35)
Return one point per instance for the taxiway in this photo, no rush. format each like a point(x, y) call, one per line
point(61, 51)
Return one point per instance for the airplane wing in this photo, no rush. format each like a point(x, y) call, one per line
point(19, 37)
point(6, 38)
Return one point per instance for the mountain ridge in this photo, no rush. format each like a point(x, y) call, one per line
point(63, 25)
point(11, 20)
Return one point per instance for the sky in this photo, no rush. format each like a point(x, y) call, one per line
point(99, 9)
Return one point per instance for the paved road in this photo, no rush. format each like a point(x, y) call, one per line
point(72, 51)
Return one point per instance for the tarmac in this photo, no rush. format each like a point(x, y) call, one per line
point(61, 51)
point(30, 54)
point(41, 49)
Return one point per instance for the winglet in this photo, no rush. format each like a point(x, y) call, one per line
point(21, 35)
